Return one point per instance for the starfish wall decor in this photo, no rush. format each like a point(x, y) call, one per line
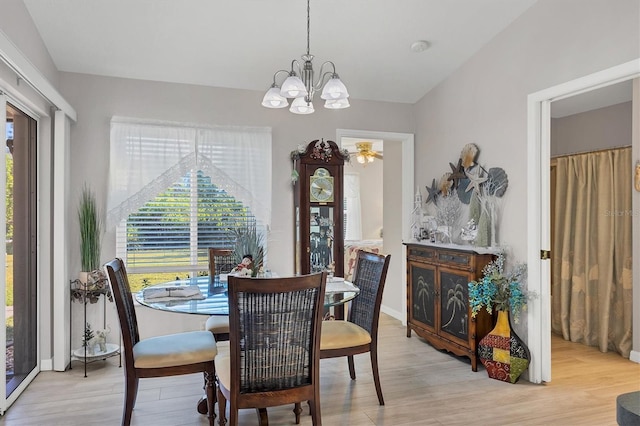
point(433, 192)
point(457, 173)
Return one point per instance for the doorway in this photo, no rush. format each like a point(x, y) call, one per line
point(397, 192)
point(20, 280)
point(591, 154)
point(539, 119)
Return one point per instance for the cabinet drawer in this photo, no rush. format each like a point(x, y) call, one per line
point(424, 254)
point(456, 259)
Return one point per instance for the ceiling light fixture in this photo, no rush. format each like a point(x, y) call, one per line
point(300, 85)
point(419, 46)
point(365, 153)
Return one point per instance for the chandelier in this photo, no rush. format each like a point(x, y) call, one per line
point(301, 87)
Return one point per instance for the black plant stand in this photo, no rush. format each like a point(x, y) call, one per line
point(90, 294)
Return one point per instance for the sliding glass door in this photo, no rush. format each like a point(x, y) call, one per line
point(20, 222)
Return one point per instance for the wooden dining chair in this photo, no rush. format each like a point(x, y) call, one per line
point(274, 345)
point(170, 355)
point(359, 332)
point(220, 262)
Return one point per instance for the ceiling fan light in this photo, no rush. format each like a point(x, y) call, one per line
point(334, 89)
point(293, 87)
point(301, 106)
point(273, 99)
point(361, 159)
point(337, 103)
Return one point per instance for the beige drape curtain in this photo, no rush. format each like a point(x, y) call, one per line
point(591, 282)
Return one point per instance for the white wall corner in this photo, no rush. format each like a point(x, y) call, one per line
point(46, 364)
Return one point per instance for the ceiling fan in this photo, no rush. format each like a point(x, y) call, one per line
point(365, 153)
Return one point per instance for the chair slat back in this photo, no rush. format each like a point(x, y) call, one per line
point(275, 331)
point(220, 261)
point(370, 274)
point(119, 282)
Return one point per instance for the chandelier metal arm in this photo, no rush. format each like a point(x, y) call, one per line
point(323, 75)
point(275, 75)
point(295, 64)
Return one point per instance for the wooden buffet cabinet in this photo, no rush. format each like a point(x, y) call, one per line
point(437, 297)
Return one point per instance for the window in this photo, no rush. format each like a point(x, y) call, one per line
point(176, 190)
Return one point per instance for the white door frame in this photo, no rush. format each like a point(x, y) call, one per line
point(538, 154)
point(408, 185)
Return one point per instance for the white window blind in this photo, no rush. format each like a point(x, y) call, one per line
point(176, 190)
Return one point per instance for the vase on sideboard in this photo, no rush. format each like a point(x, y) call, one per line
point(504, 355)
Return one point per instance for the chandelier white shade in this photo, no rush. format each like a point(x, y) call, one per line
point(273, 98)
point(301, 106)
point(300, 85)
point(337, 103)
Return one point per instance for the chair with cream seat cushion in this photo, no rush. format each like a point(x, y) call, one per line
point(359, 332)
point(170, 355)
point(219, 326)
point(274, 344)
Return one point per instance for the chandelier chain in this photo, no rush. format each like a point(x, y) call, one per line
point(308, 24)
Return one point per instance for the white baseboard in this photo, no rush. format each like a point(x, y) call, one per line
point(395, 314)
point(46, 364)
point(635, 356)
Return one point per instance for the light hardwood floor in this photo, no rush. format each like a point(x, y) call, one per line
point(421, 385)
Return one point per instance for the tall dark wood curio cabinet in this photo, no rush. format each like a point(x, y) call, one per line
point(318, 208)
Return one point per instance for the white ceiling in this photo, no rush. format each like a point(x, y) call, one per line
point(241, 43)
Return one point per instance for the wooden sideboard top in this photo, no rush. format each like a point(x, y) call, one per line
point(457, 247)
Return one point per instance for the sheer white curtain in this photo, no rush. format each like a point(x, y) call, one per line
point(147, 157)
point(353, 229)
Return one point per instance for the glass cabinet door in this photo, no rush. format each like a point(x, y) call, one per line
point(321, 238)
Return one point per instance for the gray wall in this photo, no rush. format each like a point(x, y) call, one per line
point(602, 128)
point(97, 99)
point(485, 100)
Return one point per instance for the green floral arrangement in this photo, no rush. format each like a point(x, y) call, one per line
point(90, 231)
point(498, 289)
point(249, 241)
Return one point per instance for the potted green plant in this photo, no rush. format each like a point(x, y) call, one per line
point(499, 289)
point(90, 236)
point(248, 241)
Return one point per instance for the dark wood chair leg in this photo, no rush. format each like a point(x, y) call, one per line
point(130, 395)
point(263, 418)
point(222, 409)
point(315, 412)
point(202, 405)
point(376, 376)
point(297, 409)
point(352, 368)
point(210, 386)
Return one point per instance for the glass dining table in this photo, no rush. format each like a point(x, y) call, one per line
point(203, 296)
